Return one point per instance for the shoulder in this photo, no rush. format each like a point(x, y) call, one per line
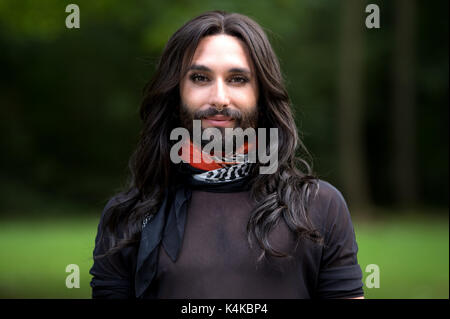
point(122, 198)
point(326, 193)
point(118, 202)
point(327, 204)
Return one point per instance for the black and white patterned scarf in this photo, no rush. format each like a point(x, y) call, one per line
point(226, 174)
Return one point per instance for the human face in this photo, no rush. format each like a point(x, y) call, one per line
point(220, 87)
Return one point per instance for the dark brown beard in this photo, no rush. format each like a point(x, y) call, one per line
point(242, 120)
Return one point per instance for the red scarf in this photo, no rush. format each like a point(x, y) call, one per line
point(189, 149)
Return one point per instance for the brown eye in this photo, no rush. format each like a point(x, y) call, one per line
point(198, 78)
point(239, 79)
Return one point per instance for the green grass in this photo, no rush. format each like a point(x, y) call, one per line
point(412, 254)
point(35, 256)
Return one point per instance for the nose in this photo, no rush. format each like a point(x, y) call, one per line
point(219, 95)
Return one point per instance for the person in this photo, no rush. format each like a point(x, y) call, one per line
point(220, 227)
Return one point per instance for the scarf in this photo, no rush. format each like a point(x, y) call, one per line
point(228, 173)
point(166, 227)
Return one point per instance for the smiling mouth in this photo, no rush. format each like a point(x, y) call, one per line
point(219, 120)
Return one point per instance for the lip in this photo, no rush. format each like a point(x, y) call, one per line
point(219, 120)
point(219, 117)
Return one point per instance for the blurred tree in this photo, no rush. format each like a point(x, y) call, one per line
point(69, 99)
point(352, 160)
point(403, 115)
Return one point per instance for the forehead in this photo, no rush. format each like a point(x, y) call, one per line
point(222, 51)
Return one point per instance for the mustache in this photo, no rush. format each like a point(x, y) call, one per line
point(201, 114)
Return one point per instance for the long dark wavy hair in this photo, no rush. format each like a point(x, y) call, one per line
point(284, 194)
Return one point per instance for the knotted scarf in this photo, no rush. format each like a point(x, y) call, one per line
point(166, 227)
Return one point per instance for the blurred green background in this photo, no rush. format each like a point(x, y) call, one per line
point(371, 106)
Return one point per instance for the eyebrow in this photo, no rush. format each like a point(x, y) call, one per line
point(199, 67)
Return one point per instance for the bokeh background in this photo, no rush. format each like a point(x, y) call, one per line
point(371, 106)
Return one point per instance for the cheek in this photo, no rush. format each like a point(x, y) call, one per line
point(246, 98)
point(194, 97)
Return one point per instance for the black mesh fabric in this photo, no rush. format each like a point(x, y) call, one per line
point(216, 260)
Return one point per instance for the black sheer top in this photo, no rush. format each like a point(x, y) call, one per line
point(216, 261)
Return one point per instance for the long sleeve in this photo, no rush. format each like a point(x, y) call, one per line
point(113, 276)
